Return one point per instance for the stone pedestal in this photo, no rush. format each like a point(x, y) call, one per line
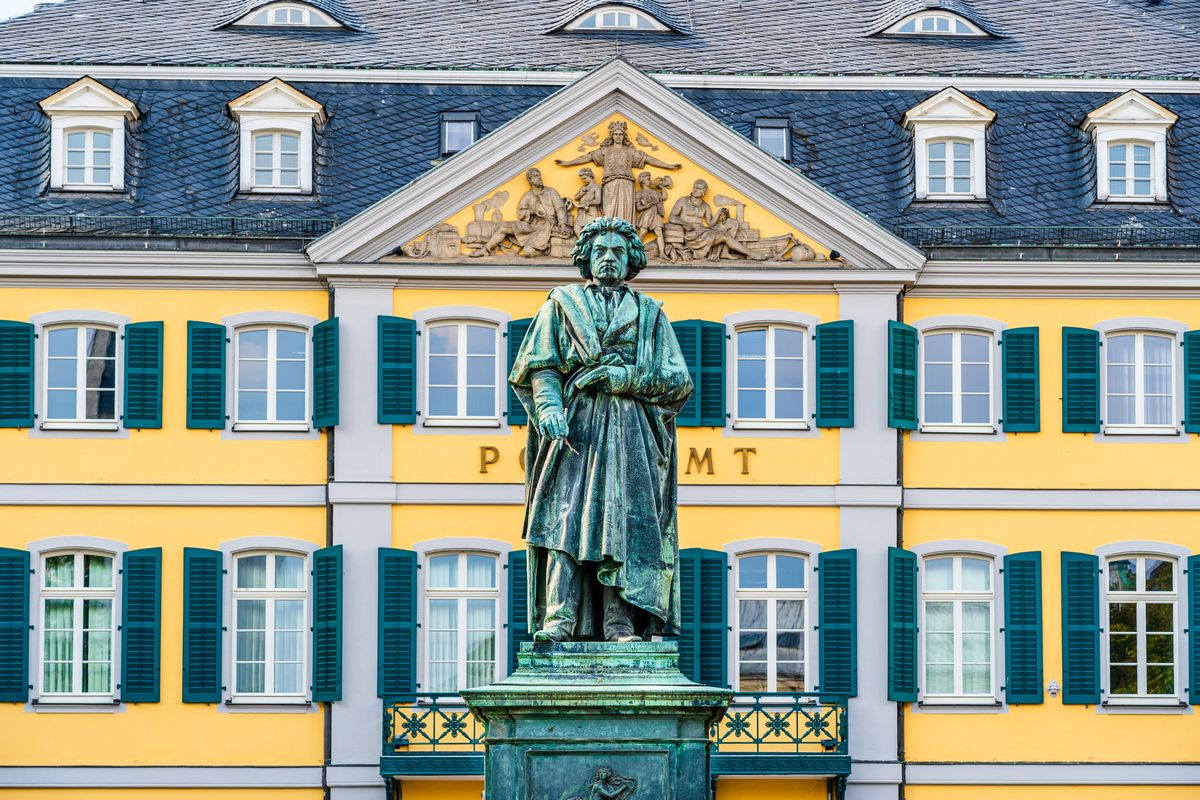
point(580, 715)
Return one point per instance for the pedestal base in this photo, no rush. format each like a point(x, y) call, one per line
point(597, 719)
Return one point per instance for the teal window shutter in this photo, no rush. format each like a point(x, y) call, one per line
point(1191, 378)
point(1081, 628)
point(397, 383)
point(14, 625)
point(143, 375)
point(16, 374)
point(1022, 387)
point(1081, 380)
point(902, 625)
point(902, 375)
point(206, 376)
point(837, 576)
point(327, 624)
point(704, 626)
point(1023, 628)
point(703, 346)
point(1193, 601)
point(202, 625)
point(325, 371)
point(516, 335)
point(397, 665)
point(518, 604)
point(835, 374)
point(141, 624)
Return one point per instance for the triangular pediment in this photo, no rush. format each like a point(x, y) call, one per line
point(1131, 108)
point(754, 208)
point(949, 106)
point(276, 97)
point(88, 96)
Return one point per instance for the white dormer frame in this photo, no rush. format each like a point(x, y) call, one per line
point(635, 14)
point(277, 106)
point(312, 17)
point(919, 17)
point(1135, 118)
point(950, 114)
point(87, 104)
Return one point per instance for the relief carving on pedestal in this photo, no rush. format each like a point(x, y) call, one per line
point(608, 785)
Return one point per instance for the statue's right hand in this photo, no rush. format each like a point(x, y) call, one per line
point(553, 425)
point(558, 161)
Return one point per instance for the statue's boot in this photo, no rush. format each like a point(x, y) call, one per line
point(554, 633)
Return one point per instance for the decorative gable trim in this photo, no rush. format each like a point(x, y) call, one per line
point(1127, 121)
point(276, 97)
point(1131, 109)
point(87, 136)
point(950, 120)
point(614, 88)
point(949, 106)
point(89, 96)
point(279, 109)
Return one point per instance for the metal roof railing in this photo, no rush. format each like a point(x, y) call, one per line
point(1050, 235)
point(172, 226)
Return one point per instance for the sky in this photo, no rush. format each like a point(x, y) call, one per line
point(10, 8)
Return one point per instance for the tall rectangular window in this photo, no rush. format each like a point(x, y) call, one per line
point(270, 601)
point(949, 167)
point(1139, 380)
point(272, 375)
point(957, 651)
point(81, 374)
point(1129, 170)
point(1142, 620)
point(956, 378)
point(462, 621)
point(772, 627)
point(774, 136)
point(770, 374)
point(276, 160)
point(88, 158)
point(78, 601)
point(462, 371)
point(460, 129)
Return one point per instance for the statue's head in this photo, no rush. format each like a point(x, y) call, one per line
point(609, 250)
point(699, 188)
point(618, 133)
point(534, 176)
point(587, 175)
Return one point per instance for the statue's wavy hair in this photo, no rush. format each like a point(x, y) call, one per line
point(581, 256)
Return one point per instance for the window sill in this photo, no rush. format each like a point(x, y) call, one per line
point(950, 198)
point(1141, 201)
point(988, 429)
point(770, 425)
point(1143, 702)
point(975, 702)
point(296, 427)
point(74, 425)
point(1140, 430)
point(83, 189)
point(454, 422)
point(77, 704)
point(269, 190)
point(268, 701)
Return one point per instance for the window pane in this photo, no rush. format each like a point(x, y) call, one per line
point(962, 151)
point(1122, 648)
point(60, 571)
point(937, 185)
point(289, 616)
point(752, 646)
point(789, 572)
point(61, 373)
point(752, 342)
point(752, 373)
point(289, 143)
point(752, 614)
point(939, 377)
point(287, 678)
point(252, 615)
point(458, 135)
point(481, 370)
point(962, 185)
point(976, 617)
point(789, 373)
point(1122, 679)
point(789, 677)
point(1121, 410)
point(481, 402)
point(443, 339)
point(939, 647)
point(789, 342)
point(1160, 649)
point(481, 572)
point(289, 374)
point(62, 341)
point(976, 378)
point(752, 676)
point(481, 340)
point(100, 343)
point(752, 404)
point(789, 404)
point(789, 646)
point(263, 178)
point(60, 405)
point(252, 344)
point(789, 615)
point(1120, 349)
point(289, 572)
point(938, 346)
point(939, 574)
point(939, 679)
point(1160, 575)
point(977, 678)
point(97, 615)
point(752, 572)
point(443, 370)
point(976, 408)
point(443, 402)
point(1160, 617)
point(443, 572)
point(1122, 575)
point(252, 405)
point(939, 617)
point(976, 575)
point(975, 347)
point(774, 140)
point(937, 150)
point(1116, 154)
point(290, 344)
point(1122, 617)
point(100, 405)
point(101, 373)
point(97, 571)
point(76, 140)
point(252, 572)
point(289, 407)
point(1160, 680)
point(251, 677)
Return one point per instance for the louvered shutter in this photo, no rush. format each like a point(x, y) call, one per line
point(1023, 628)
point(16, 374)
point(397, 667)
point(397, 371)
point(206, 376)
point(141, 623)
point(14, 625)
point(1081, 380)
point(518, 604)
point(1191, 378)
point(1022, 386)
point(902, 375)
point(702, 344)
point(837, 576)
point(143, 375)
point(202, 625)
point(327, 624)
point(325, 372)
point(835, 374)
point(1081, 628)
point(516, 335)
point(902, 625)
point(1193, 632)
point(703, 616)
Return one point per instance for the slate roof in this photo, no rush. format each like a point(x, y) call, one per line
point(893, 11)
point(183, 157)
point(334, 8)
point(660, 11)
point(1120, 38)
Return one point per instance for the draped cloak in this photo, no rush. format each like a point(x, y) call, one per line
point(606, 495)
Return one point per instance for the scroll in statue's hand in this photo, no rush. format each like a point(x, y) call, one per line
point(553, 425)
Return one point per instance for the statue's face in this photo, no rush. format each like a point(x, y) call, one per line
point(610, 259)
point(698, 189)
point(535, 178)
point(618, 135)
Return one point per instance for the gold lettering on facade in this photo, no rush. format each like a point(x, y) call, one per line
point(700, 461)
point(745, 453)
point(488, 455)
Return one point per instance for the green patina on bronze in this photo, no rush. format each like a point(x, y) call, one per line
point(602, 377)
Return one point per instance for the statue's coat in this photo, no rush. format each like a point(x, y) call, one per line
point(608, 497)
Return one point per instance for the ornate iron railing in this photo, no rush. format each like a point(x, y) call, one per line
point(155, 226)
point(1050, 235)
point(784, 733)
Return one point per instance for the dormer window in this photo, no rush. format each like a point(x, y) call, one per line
point(615, 18)
point(460, 129)
point(949, 147)
point(87, 130)
point(277, 123)
point(1130, 134)
point(288, 15)
point(934, 24)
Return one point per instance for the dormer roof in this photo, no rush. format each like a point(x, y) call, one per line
point(277, 97)
point(1132, 108)
point(949, 107)
point(334, 9)
point(893, 11)
point(651, 7)
point(89, 96)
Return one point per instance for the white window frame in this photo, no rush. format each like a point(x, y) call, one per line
point(271, 423)
point(919, 17)
point(744, 320)
point(771, 420)
point(956, 388)
point(61, 126)
point(78, 595)
point(276, 169)
point(437, 317)
point(271, 594)
point(974, 137)
point(80, 422)
point(1140, 597)
point(771, 549)
point(1155, 139)
point(311, 17)
point(276, 125)
point(449, 118)
point(949, 114)
point(461, 594)
point(599, 14)
point(1108, 331)
point(775, 124)
point(957, 597)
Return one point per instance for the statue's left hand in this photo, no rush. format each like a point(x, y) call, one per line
point(611, 378)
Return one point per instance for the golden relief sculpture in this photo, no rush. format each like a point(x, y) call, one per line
point(547, 223)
